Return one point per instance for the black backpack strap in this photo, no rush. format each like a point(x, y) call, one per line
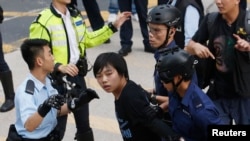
point(210, 22)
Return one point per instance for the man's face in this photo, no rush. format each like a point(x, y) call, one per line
point(47, 60)
point(109, 79)
point(226, 6)
point(157, 34)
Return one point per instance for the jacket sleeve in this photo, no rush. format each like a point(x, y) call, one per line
point(96, 38)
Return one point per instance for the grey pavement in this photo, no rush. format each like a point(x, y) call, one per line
point(102, 116)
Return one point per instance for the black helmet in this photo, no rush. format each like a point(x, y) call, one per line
point(174, 62)
point(165, 14)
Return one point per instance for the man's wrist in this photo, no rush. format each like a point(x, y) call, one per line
point(112, 27)
point(153, 99)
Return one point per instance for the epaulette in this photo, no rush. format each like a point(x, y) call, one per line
point(197, 102)
point(30, 87)
point(39, 15)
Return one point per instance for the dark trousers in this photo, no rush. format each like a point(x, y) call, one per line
point(81, 115)
point(3, 65)
point(126, 30)
point(93, 13)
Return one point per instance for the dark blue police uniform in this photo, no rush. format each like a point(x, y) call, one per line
point(193, 113)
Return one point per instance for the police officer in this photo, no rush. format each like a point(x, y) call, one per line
point(163, 20)
point(63, 27)
point(191, 110)
point(162, 23)
point(37, 103)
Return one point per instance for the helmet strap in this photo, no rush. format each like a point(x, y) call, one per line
point(167, 36)
point(176, 85)
point(166, 40)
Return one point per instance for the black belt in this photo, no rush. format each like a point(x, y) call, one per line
point(53, 136)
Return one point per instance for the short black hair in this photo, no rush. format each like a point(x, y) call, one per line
point(31, 48)
point(113, 59)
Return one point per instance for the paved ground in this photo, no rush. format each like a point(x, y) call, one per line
point(102, 116)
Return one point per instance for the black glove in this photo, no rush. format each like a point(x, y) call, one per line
point(1, 14)
point(85, 97)
point(159, 112)
point(54, 101)
point(151, 97)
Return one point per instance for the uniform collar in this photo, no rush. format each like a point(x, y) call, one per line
point(159, 51)
point(61, 14)
point(73, 11)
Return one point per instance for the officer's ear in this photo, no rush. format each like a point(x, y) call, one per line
point(172, 31)
point(39, 61)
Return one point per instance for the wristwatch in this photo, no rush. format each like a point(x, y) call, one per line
point(112, 27)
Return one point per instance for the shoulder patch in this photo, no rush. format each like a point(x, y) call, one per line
point(197, 102)
point(30, 87)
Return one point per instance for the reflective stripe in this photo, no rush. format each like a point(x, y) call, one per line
point(59, 43)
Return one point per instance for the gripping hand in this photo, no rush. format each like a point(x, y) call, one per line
point(54, 101)
point(85, 97)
